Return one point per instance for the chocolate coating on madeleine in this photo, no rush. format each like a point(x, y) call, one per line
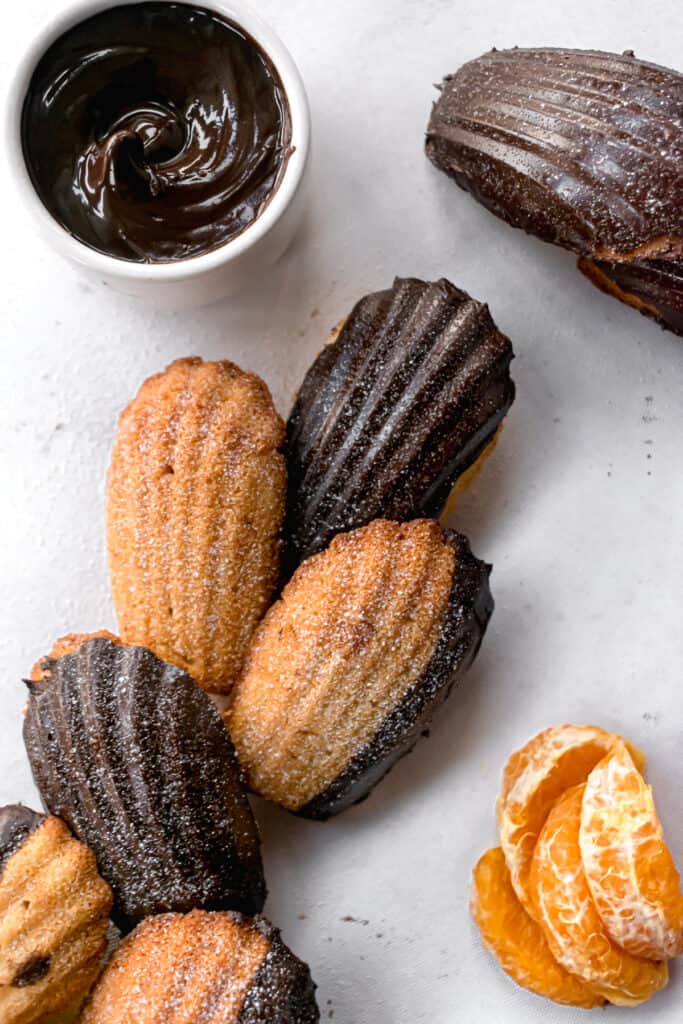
point(390, 414)
point(16, 824)
point(282, 991)
point(134, 757)
point(469, 609)
point(578, 147)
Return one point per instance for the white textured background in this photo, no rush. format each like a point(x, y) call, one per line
point(579, 509)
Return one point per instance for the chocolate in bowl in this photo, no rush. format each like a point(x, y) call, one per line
point(154, 132)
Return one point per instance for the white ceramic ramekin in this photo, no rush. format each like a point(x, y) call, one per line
point(199, 279)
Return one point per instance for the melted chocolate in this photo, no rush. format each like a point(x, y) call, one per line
point(155, 131)
point(134, 757)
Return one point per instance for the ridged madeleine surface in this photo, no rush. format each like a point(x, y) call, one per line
point(195, 502)
point(134, 757)
point(578, 147)
point(347, 668)
point(393, 411)
point(203, 968)
point(54, 915)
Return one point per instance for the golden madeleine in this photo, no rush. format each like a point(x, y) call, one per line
point(203, 968)
point(195, 501)
point(348, 666)
point(54, 915)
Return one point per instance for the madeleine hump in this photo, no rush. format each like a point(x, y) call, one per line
point(580, 148)
point(406, 398)
point(196, 495)
point(134, 757)
point(54, 916)
point(347, 668)
point(204, 968)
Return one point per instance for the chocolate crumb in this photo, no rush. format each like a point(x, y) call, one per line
point(34, 970)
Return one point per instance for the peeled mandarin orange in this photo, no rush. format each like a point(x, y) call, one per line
point(630, 872)
point(572, 926)
point(516, 940)
point(533, 779)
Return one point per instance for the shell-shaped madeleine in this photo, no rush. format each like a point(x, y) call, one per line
point(349, 665)
point(135, 758)
point(204, 968)
point(54, 915)
point(580, 148)
point(195, 501)
point(393, 411)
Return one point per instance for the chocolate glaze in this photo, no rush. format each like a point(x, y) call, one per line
point(392, 412)
point(135, 758)
point(16, 824)
point(469, 609)
point(282, 991)
point(580, 148)
point(155, 131)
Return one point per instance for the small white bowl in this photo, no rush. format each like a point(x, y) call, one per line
point(197, 280)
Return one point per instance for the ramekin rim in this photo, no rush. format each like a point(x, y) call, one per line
point(243, 15)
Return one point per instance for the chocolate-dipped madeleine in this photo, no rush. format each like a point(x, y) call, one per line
point(135, 758)
point(580, 148)
point(349, 665)
point(204, 968)
point(393, 411)
point(54, 915)
point(195, 501)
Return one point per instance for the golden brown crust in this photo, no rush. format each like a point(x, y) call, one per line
point(196, 496)
point(54, 915)
point(464, 482)
point(354, 629)
point(335, 332)
point(180, 969)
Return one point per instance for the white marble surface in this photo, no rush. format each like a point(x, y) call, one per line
point(579, 509)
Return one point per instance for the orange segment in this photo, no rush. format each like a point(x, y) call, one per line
point(630, 872)
point(572, 926)
point(533, 779)
point(516, 941)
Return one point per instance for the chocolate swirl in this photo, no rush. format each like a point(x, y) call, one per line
point(155, 131)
